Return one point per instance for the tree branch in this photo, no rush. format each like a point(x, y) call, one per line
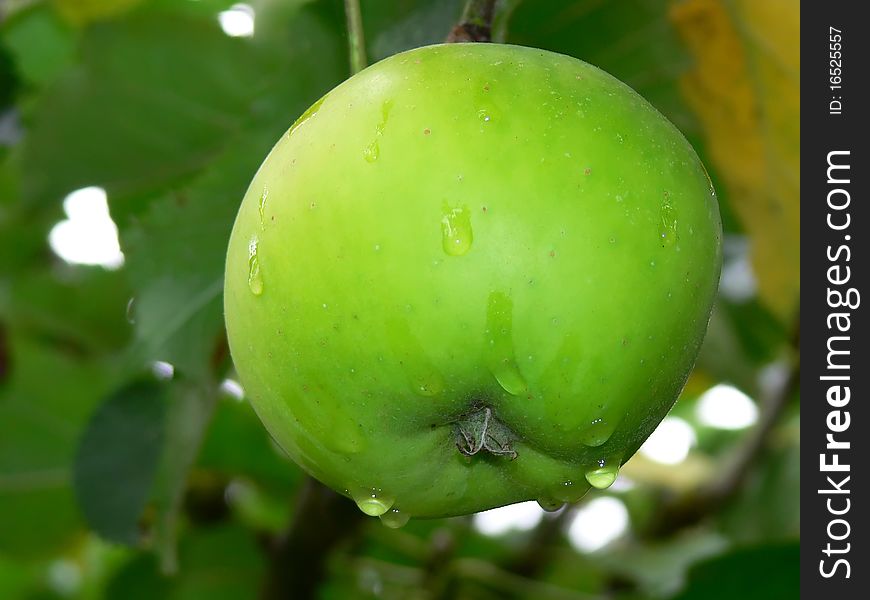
point(322, 520)
point(355, 36)
point(475, 25)
point(690, 509)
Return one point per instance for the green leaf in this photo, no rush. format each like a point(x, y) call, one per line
point(176, 250)
point(44, 406)
point(9, 82)
point(659, 568)
point(759, 572)
point(761, 334)
point(190, 409)
point(237, 445)
point(768, 507)
point(222, 563)
point(175, 263)
point(155, 98)
point(17, 579)
point(117, 459)
point(722, 356)
point(78, 306)
point(219, 563)
point(40, 43)
point(138, 579)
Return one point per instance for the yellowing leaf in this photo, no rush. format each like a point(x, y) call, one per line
point(745, 89)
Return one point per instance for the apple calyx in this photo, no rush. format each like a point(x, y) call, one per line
point(480, 430)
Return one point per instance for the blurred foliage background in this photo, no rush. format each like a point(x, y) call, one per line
point(131, 465)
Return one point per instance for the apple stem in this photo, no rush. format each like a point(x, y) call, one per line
point(356, 37)
point(475, 25)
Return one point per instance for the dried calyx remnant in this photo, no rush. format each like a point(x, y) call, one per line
point(480, 430)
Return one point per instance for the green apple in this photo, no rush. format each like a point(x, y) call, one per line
point(471, 275)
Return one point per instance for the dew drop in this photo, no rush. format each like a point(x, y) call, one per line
point(255, 277)
point(598, 432)
point(550, 504)
point(484, 116)
point(602, 477)
point(668, 223)
point(499, 344)
point(312, 110)
point(456, 233)
point(509, 378)
point(372, 151)
point(261, 207)
point(428, 383)
point(373, 502)
point(568, 491)
point(395, 518)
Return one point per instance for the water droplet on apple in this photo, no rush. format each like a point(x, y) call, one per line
point(312, 110)
point(372, 152)
point(603, 476)
point(598, 432)
point(428, 383)
point(255, 277)
point(550, 504)
point(668, 223)
point(456, 233)
point(484, 116)
point(261, 207)
point(373, 502)
point(395, 518)
point(568, 491)
point(499, 344)
point(509, 378)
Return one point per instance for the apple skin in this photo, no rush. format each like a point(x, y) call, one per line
point(466, 227)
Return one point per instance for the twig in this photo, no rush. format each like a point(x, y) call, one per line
point(321, 521)
point(690, 509)
point(355, 35)
point(438, 580)
point(475, 25)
